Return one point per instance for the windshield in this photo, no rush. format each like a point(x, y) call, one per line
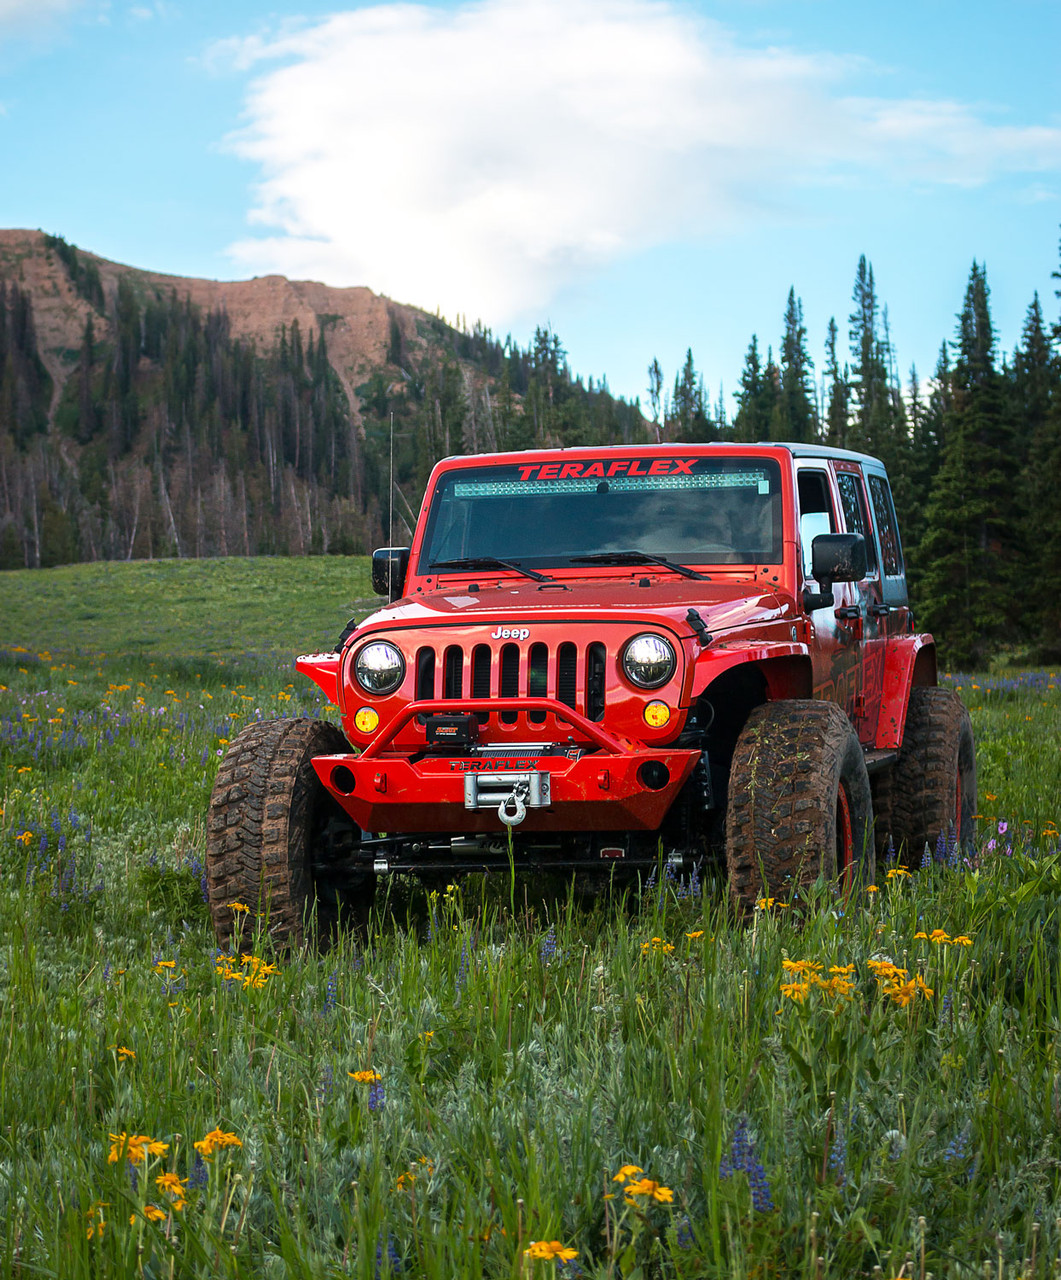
point(690, 510)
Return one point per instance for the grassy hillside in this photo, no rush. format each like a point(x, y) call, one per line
point(282, 604)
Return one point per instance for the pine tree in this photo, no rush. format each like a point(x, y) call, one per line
point(655, 387)
point(86, 409)
point(968, 551)
point(799, 417)
point(869, 374)
point(838, 392)
point(689, 420)
point(758, 397)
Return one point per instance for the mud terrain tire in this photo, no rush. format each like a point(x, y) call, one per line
point(933, 782)
point(799, 802)
point(268, 832)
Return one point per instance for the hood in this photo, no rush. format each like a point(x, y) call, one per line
point(723, 606)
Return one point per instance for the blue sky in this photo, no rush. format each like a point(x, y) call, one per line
point(645, 176)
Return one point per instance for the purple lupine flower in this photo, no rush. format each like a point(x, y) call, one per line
point(200, 1174)
point(926, 858)
point(330, 993)
point(393, 1256)
point(376, 1096)
point(838, 1155)
point(547, 947)
point(742, 1159)
point(957, 1151)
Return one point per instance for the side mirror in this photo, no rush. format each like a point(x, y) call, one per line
point(835, 557)
point(389, 567)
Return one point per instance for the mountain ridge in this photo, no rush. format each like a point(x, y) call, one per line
point(358, 321)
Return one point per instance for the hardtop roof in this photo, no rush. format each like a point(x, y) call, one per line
point(795, 448)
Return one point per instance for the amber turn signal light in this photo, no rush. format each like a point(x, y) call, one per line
point(656, 714)
point(366, 720)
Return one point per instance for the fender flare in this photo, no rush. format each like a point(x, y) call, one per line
point(909, 661)
point(786, 666)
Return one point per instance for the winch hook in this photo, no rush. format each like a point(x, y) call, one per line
point(512, 810)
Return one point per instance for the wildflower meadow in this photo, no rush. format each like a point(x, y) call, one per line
point(501, 1077)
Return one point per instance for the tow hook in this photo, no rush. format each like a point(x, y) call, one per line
point(513, 808)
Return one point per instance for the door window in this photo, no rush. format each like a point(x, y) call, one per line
point(815, 511)
point(856, 517)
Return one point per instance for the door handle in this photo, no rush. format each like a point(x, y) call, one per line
point(881, 610)
point(848, 611)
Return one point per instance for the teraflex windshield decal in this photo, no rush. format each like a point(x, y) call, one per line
point(608, 467)
point(615, 474)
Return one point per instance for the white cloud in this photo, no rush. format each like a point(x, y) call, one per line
point(33, 13)
point(480, 158)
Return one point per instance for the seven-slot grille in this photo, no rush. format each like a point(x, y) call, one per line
point(572, 674)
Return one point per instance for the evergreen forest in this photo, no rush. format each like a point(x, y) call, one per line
point(172, 436)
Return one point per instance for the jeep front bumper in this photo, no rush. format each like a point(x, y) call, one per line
point(586, 781)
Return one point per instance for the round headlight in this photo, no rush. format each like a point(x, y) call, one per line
point(379, 667)
point(648, 661)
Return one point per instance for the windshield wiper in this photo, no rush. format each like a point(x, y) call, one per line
point(490, 562)
point(637, 557)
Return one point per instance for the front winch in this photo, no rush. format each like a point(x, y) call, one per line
point(510, 794)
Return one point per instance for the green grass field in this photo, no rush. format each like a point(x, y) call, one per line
point(784, 1119)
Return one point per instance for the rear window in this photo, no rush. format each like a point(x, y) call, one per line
point(891, 550)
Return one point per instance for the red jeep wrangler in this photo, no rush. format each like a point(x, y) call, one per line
point(595, 658)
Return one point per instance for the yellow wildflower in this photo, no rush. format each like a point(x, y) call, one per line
point(764, 904)
point(805, 968)
point(151, 1212)
point(872, 888)
point(795, 990)
point(550, 1250)
point(627, 1172)
point(897, 873)
point(839, 986)
point(173, 1187)
point(657, 946)
point(902, 992)
point(648, 1187)
point(238, 906)
point(365, 1077)
point(842, 968)
point(214, 1141)
point(136, 1147)
point(96, 1220)
point(696, 933)
point(125, 1054)
point(921, 934)
point(962, 940)
point(939, 935)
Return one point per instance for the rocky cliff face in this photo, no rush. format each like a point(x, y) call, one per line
point(362, 327)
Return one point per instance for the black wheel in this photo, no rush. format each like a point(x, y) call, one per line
point(277, 843)
point(799, 802)
point(932, 787)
